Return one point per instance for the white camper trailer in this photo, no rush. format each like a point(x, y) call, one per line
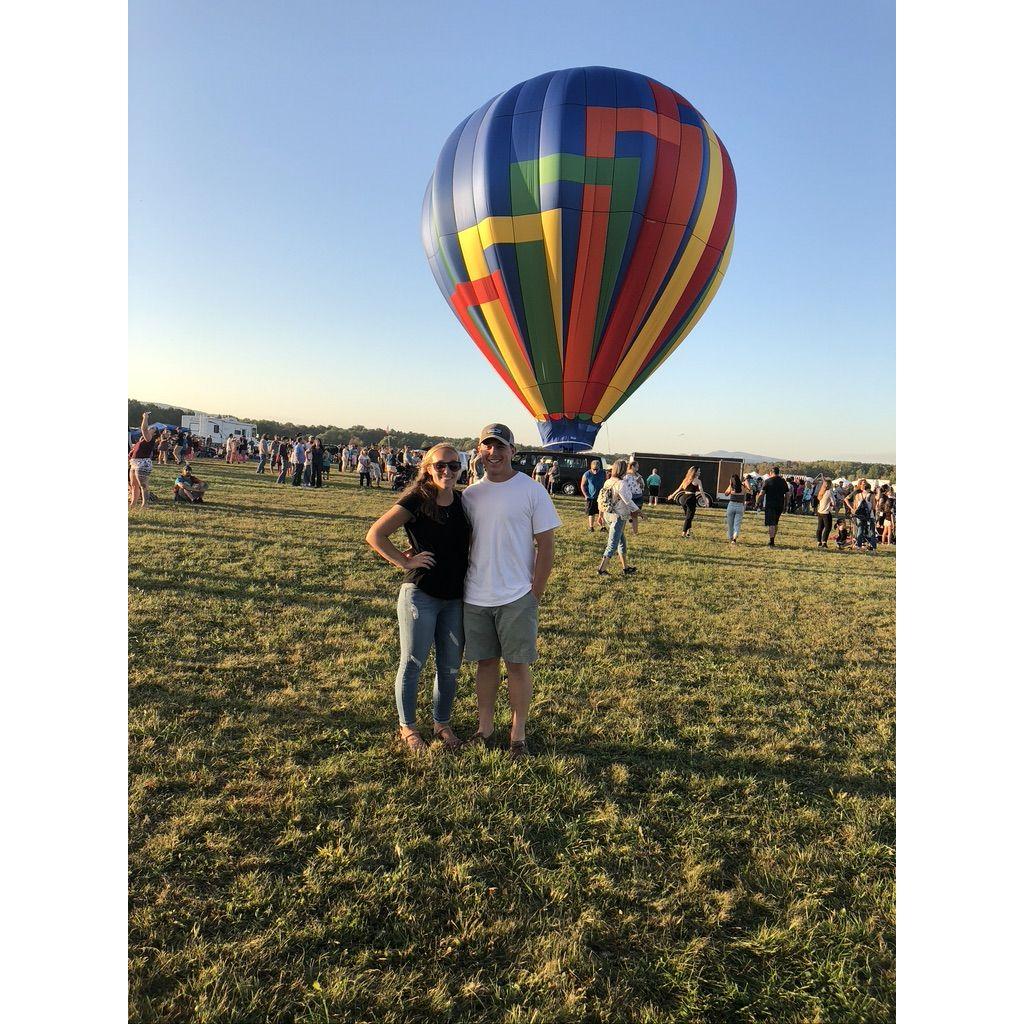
point(220, 429)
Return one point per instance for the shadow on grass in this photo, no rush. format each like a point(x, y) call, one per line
point(264, 511)
point(747, 564)
point(288, 592)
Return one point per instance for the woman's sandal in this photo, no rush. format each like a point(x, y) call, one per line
point(414, 741)
point(447, 737)
point(478, 739)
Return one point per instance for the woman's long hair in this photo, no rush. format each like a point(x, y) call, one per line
point(618, 470)
point(423, 485)
point(693, 473)
point(826, 486)
point(736, 484)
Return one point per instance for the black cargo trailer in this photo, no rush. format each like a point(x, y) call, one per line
point(714, 473)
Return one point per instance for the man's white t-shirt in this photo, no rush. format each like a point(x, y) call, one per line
point(505, 517)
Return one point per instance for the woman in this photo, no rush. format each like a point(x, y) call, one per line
point(316, 472)
point(430, 599)
point(163, 446)
point(363, 464)
point(887, 514)
point(616, 505)
point(140, 465)
point(690, 489)
point(284, 458)
point(826, 506)
point(736, 492)
point(632, 483)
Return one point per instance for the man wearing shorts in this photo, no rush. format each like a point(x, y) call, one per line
point(513, 549)
point(773, 496)
point(590, 484)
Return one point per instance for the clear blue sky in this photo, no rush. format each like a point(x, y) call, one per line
point(278, 158)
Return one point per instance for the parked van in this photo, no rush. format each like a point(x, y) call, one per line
point(570, 467)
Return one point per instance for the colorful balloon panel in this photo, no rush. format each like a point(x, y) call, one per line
point(578, 225)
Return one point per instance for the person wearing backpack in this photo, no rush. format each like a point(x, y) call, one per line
point(616, 505)
point(863, 514)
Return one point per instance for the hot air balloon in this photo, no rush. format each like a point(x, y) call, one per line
point(578, 225)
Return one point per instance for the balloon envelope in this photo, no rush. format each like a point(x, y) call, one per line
point(578, 225)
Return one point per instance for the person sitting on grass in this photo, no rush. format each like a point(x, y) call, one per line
point(189, 488)
point(842, 535)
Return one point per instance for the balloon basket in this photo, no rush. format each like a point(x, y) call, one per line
point(565, 435)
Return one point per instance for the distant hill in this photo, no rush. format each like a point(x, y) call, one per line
point(745, 456)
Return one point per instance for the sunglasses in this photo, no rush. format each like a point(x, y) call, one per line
point(454, 467)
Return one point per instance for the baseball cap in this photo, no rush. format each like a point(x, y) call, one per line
point(499, 431)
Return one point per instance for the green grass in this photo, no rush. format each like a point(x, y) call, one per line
point(706, 835)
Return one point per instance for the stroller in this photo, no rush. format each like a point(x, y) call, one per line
point(402, 478)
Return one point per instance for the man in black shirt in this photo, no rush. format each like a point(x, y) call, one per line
point(773, 496)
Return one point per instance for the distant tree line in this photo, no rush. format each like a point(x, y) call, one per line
point(833, 469)
point(363, 435)
point(329, 434)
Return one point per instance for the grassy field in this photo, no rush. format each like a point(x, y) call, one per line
point(706, 835)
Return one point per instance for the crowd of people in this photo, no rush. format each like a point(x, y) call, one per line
point(479, 559)
point(856, 515)
point(852, 515)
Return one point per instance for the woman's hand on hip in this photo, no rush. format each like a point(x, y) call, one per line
point(421, 560)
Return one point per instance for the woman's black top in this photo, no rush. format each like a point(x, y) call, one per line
point(691, 492)
point(447, 538)
point(143, 449)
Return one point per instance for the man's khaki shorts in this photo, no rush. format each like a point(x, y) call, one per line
point(508, 631)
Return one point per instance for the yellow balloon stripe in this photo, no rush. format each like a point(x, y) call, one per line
point(551, 227)
point(713, 287)
point(647, 337)
point(495, 318)
point(526, 227)
point(713, 195)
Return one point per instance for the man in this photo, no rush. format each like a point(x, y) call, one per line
point(773, 497)
point(860, 504)
point(263, 449)
point(188, 487)
point(298, 458)
point(654, 487)
point(513, 549)
point(178, 447)
point(590, 486)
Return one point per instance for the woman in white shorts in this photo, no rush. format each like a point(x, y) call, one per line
point(140, 465)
